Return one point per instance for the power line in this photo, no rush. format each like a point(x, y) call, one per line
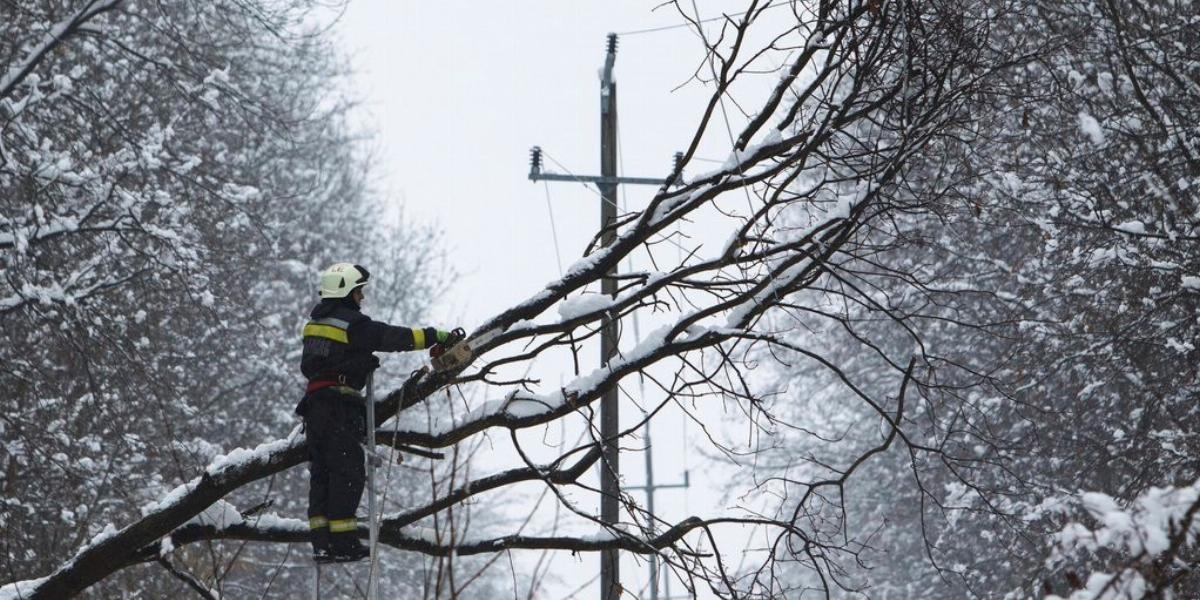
point(693, 24)
point(553, 229)
point(578, 178)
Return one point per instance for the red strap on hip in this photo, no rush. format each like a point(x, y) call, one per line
point(319, 384)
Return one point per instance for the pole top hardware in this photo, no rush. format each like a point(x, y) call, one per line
point(537, 174)
point(535, 163)
point(606, 79)
point(676, 178)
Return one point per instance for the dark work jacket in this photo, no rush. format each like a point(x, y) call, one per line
point(340, 342)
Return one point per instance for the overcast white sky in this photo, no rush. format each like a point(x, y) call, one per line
point(458, 91)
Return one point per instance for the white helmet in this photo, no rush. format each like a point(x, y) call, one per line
point(341, 279)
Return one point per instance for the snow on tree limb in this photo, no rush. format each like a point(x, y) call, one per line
point(58, 34)
point(1133, 547)
point(426, 541)
point(111, 552)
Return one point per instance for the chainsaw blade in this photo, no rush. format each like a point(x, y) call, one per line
point(461, 354)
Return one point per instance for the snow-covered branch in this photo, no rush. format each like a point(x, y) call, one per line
point(270, 528)
point(1136, 551)
point(58, 34)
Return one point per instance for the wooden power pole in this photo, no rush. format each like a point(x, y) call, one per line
point(610, 422)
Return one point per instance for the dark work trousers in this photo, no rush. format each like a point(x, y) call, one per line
point(336, 424)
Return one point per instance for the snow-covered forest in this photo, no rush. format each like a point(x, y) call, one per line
point(942, 292)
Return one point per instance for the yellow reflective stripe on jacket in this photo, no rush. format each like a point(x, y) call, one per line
point(326, 331)
point(317, 522)
point(418, 339)
point(343, 525)
point(339, 323)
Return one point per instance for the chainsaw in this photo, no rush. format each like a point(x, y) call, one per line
point(457, 351)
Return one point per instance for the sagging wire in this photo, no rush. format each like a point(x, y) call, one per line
point(683, 25)
point(553, 228)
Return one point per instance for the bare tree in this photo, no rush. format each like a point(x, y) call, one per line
point(1056, 291)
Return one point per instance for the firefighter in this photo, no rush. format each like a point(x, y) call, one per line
point(339, 342)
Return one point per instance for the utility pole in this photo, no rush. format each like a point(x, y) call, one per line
point(607, 181)
point(650, 487)
point(610, 424)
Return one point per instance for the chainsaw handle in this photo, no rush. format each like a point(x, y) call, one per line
point(457, 335)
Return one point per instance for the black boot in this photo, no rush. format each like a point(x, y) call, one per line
point(320, 544)
point(345, 547)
